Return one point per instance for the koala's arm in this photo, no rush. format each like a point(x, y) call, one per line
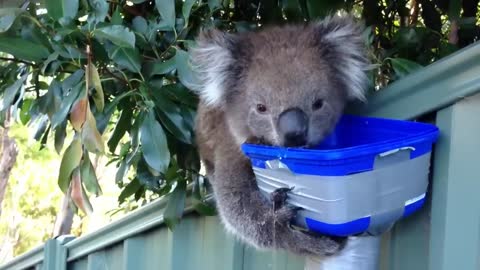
point(248, 214)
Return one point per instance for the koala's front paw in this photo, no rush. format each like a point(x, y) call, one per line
point(315, 245)
point(279, 196)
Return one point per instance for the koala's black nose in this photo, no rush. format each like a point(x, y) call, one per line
point(293, 126)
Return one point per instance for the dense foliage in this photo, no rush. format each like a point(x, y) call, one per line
point(114, 77)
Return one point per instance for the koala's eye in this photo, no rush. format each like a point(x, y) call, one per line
point(261, 108)
point(317, 105)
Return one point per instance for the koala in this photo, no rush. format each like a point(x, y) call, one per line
point(281, 85)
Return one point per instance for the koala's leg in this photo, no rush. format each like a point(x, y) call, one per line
point(251, 216)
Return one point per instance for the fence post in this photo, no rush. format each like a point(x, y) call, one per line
point(55, 253)
point(455, 221)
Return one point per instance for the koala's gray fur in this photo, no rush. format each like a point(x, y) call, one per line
point(280, 68)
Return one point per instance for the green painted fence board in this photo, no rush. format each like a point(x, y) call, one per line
point(29, 259)
point(455, 222)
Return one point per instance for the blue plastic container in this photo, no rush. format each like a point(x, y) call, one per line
point(366, 175)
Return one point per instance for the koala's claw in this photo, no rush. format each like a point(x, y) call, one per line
point(279, 196)
point(316, 245)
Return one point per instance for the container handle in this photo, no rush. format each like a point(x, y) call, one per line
point(393, 151)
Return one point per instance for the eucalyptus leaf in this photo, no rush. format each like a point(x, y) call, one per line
point(154, 143)
point(159, 67)
point(78, 194)
point(7, 17)
point(91, 137)
point(176, 205)
point(146, 178)
point(10, 93)
point(184, 68)
point(117, 17)
point(186, 9)
point(60, 115)
point(129, 190)
point(23, 49)
point(59, 137)
point(127, 58)
point(118, 35)
point(89, 177)
point(25, 110)
point(214, 4)
point(166, 8)
point(98, 96)
point(62, 10)
point(124, 123)
point(139, 24)
point(70, 160)
point(100, 10)
point(403, 67)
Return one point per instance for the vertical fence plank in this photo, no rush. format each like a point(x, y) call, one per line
point(134, 253)
point(55, 255)
point(409, 242)
point(455, 221)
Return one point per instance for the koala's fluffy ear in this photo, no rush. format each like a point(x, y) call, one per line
point(343, 35)
point(211, 58)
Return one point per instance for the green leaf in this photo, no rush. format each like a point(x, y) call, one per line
point(60, 115)
point(166, 8)
point(41, 127)
point(318, 9)
point(98, 97)
point(154, 143)
point(159, 67)
point(146, 178)
point(103, 118)
point(205, 209)
point(122, 170)
point(51, 58)
point(171, 118)
point(129, 190)
point(25, 110)
point(62, 10)
point(70, 161)
point(100, 10)
point(454, 9)
point(23, 49)
point(127, 58)
point(91, 138)
point(78, 194)
point(117, 17)
point(184, 68)
point(403, 67)
point(11, 92)
point(78, 113)
point(73, 80)
point(7, 17)
point(139, 24)
point(89, 178)
point(176, 205)
point(186, 9)
point(118, 35)
point(214, 4)
point(60, 134)
point(124, 123)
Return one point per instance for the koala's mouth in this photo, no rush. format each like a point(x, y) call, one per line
point(263, 141)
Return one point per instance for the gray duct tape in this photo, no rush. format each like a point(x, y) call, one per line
point(380, 194)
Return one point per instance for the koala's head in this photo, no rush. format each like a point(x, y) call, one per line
point(283, 86)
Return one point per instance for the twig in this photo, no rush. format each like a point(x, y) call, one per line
point(116, 77)
point(17, 60)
